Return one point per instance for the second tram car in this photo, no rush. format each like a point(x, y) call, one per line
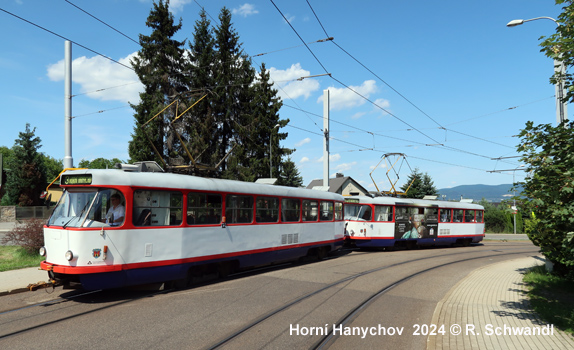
point(388, 222)
point(114, 228)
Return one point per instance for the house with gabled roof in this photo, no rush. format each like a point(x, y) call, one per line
point(341, 184)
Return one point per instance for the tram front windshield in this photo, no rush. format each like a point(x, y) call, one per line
point(84, 207)
point(357, 212)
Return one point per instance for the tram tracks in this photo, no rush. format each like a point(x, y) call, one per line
point(328, 339)
point(62, 301)
point(96, 301)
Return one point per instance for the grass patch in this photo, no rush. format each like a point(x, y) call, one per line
point(551, 297)
point(15, 257)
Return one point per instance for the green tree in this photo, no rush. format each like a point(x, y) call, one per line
point(159, 65)
point(422, 185)
point(26, 178)
point(6, 155)
point(99, 163)
point(494, 218)
point(233, 75)
point(200, 121)
point(560, 46)
point(548, 153)
point(231, 112)
point(266, 126)
point(53, 167)
point(289, 175)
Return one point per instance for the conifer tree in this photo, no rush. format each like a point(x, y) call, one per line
point(265, 128)
point(421, 186)
point(200, 120)
point(237, 117)
point(232, 96)
point(26, 178)
point(159, 65)
point(289, 175)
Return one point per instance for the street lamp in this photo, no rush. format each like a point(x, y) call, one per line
point(270, 158)
point(514, 185)
point(559, 67)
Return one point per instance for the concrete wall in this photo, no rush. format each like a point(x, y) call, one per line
point(7, 214)
point(14, 213)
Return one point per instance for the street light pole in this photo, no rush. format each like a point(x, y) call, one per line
point(270, 157)
point(514, 210)
point(559, 67)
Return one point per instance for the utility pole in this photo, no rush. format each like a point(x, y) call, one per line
point(68, 160)
point(326, 138)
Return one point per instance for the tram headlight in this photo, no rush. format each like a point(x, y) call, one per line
point(69, 255)
point(43, 251)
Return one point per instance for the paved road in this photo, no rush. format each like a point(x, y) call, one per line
point(200, 317)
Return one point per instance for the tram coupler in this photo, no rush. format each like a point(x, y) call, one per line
point(41, 284)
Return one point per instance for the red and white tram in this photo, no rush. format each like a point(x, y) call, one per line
point(177, 226)
point(389, 221)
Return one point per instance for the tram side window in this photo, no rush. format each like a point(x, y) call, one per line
point(401, 213)
point(479, 216)
point(431, 215)
point(239, 209)
point(203, 209)
point(338, 211)
point(158, 208)
point(267, 209)
point(383, 213)
point(458, 215)
point(310, 210)
point(366, 213)
point(469, 216)
point(445, 215)
point(327, 211)
point(290, 210)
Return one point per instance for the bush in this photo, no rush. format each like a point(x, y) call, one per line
point(29, 235)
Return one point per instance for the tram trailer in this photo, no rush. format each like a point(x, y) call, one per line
point(383, 222)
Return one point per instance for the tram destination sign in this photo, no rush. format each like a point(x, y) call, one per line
point(82, 179)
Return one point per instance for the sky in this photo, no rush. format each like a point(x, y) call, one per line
point(446, 83)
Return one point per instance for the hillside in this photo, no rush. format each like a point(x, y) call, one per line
point(492, 193)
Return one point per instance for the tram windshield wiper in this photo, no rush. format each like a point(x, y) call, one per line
point(79, 217)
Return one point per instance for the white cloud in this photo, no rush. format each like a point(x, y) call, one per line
point(381, 165)
point(245, 10)
point(96, 73)
point(177, 5)
point(343, 98)
point(345, 166)
point(332, 158)
point(357, 115)
point(289, 89)
point(381, 104)
point(304, 160)
point(302, 142)
point(290, 18)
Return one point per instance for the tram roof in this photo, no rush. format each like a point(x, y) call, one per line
point(413, 202)
point(156, 180)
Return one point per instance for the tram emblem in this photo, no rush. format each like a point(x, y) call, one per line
point(96, 253)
